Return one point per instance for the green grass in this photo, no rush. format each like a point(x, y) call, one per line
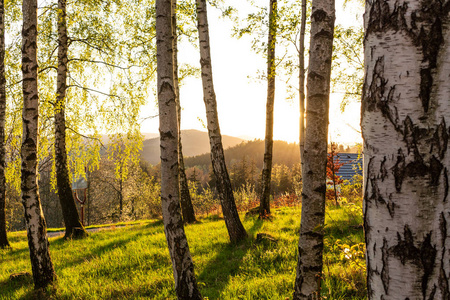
point(133, 262)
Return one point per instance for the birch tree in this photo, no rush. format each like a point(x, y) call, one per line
point(41, 263)
point(301, 80)
point(187, 209)
point(236, 230)
point(405, 111)
point(3, 238)
point(264, 207)
point(183, 267)
point(74, 228)
point(310, 248)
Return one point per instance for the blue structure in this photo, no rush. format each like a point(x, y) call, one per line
point(352, 165)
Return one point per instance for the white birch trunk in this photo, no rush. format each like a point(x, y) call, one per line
point(310, 248)
point(301, 80)
point(3, 237)
point(264, 208)
point(41, 263)
point(405, 112)
point(72, 222)
point(183, 267)
point(187, 209)
point(236, 230)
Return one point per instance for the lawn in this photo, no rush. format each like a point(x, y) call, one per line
point(132, 262)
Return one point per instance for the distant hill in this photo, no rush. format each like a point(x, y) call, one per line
point(195, 142)
point(283, 153)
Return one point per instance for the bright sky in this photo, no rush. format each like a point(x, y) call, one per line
point(242, 101)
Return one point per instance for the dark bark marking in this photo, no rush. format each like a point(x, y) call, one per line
point(443, 279)
point(385, 268)
point(443, 228)
point(445, 185)
point(383, 171)
point(433, 292)
point(422, 256)
point(435, 171)
point(166, 135)
point(405, 249)
point(408, 135)
point(428, 258)
point(430, 39)
point(399, 170)
point(319, 15)
point(391, 208)
point(325, 34)
point(381, 19)
point(315, 234)
point(376, 98)
point(376, 195)
point(439, 141)
point(321, 189)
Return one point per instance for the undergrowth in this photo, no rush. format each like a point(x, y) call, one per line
point(132, 262)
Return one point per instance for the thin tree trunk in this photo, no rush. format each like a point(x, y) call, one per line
point(74, 228)
point(183, 267)
point(310, 248)
point(301, 85)
point(236, 230)
point(41, 263)
point(120, 197)
point(264, 207)
point(334, 185)
point(187, 209)
point(405, 117)
point(3, 238)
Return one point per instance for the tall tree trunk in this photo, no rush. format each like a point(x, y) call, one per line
point(74, 228)
point(183, 267)
point(301, 85)
point(120, 197)
point(236, 230)
point(310, 247)
point(41, 263)
point(405, 112)
point(264, 207)
point(187, 209)
point(3, 238)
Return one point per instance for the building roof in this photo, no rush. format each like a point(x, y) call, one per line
point(352, 165)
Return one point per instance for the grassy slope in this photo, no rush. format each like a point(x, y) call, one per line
point(133, 262)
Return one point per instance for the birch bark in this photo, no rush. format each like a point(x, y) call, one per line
point(187, 209)
point(301, 79)
point(264, 207)
point(3, 237)
point(310, 248)
point(405, 111)
point(236, 230)
point(183, 267)
point(41, 263)
point(74, 228)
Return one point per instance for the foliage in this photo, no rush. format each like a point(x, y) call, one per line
point(348, 57)
point(119, 263)
point(333, 166)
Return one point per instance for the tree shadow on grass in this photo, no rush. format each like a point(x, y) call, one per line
point(216, 275)
point(92, 253)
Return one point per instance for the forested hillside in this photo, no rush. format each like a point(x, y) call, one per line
point(195, 142)
point(284, 153)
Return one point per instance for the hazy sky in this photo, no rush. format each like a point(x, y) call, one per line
point(241, 101)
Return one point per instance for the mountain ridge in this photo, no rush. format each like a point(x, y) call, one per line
point(194, 143)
